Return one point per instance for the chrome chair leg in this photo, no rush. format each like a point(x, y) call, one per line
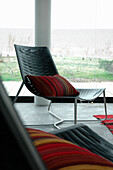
point(57, 117)
point(105, 105)
point(75, 111)
point(60, 120)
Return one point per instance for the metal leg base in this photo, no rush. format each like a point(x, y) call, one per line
point(105, 106)
point(60, 120)
point(57, 117)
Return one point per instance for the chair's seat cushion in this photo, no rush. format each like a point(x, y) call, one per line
point(58, 153)
point(52, 86)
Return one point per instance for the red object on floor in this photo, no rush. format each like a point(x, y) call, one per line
point(108, 123)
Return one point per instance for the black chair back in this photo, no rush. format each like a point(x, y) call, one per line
point(35, 61)
point(16, 148)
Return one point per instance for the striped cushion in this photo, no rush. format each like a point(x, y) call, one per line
point(58, 153)
point(52, 86)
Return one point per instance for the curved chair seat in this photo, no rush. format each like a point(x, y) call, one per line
point(37, 61)
point(89, 94)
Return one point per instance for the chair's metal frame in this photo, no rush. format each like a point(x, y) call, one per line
point(60, 120)
point(31, 62)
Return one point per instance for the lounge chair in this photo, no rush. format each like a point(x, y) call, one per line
point(37, 61)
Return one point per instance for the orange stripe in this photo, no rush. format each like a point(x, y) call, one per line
point(86, 167)
point(48, 141)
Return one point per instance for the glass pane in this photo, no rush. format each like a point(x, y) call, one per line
point(16, 27)
point(82, 46)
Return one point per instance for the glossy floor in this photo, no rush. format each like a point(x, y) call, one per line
point(34, 115)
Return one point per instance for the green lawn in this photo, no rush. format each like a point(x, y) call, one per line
point(74, 68)
point(82, 69)
point(10, 71)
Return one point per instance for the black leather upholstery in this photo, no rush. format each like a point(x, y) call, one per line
point(83, 136)
point(35, 61)
point(16, 148)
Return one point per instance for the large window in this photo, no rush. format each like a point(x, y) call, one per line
point(16, 26)
point(81, 44)
point(82, 40)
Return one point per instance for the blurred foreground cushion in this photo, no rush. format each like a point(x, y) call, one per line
point(58, 153)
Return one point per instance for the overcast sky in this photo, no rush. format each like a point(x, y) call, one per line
point(17, 13)
point(66, 14)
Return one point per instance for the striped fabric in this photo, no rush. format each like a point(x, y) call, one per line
point(52, 86)
point(58, 153)
point(108, 123)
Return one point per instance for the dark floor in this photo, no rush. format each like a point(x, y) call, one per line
point(33, 115)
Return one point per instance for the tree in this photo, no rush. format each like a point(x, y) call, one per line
point(5, 63)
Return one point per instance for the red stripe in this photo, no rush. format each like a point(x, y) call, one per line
point(53, 86)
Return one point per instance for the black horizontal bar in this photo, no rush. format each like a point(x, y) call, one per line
point(30, 99)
